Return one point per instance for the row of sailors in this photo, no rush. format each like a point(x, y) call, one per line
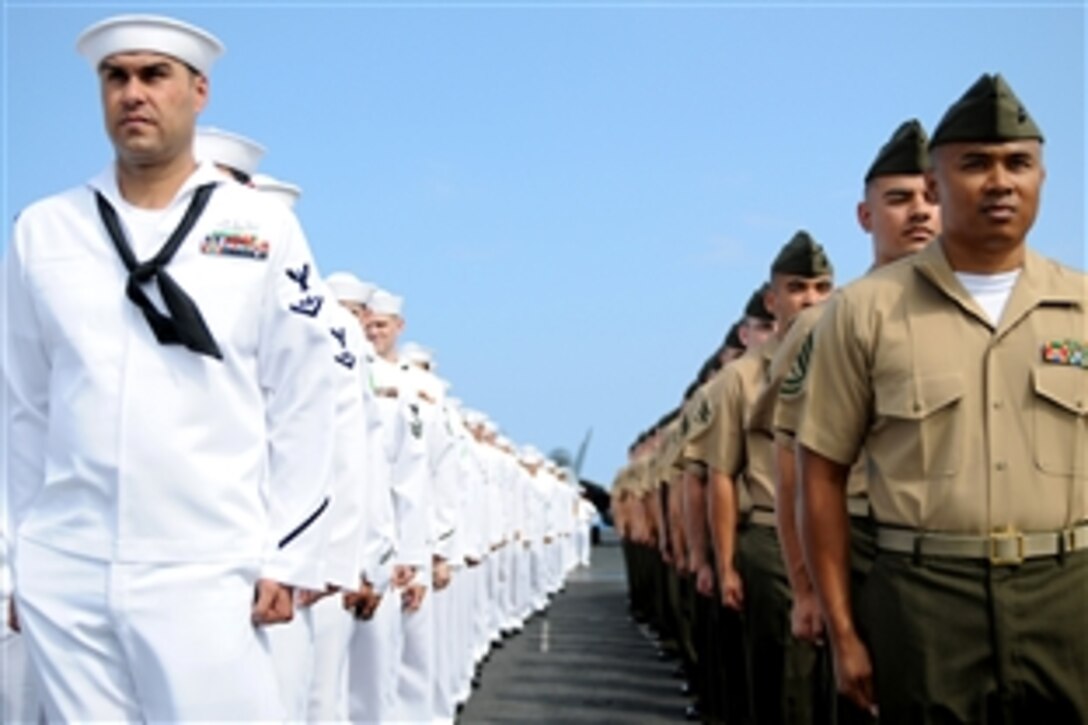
point(848, 495)
point(489, 528)
point(254, 508)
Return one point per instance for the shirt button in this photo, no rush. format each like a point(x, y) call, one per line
point(998, 405)
point(1000, 465)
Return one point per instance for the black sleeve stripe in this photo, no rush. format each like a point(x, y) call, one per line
point(305, 524)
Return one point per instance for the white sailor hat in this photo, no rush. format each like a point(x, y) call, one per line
point(228, 149)
point(383, 302)
point(473, 417)
point(155, 33)
point(349, 288)
point(531, 456)
point(431, 384)
point(412, 352)
point(489, 426)
point(285, 192)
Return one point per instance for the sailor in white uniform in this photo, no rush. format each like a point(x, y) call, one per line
point(358, 530)
point(168, 452)
point(478, 556)
point(378, 645)
point(429, 644)
point(538, 527)
point(335, 625)
point(586, 515)
point(289, 643)
point(466, 552)
point(502, 464)
point(237, 156)
point(526, 513)
point(414, 499)
point(310, 652)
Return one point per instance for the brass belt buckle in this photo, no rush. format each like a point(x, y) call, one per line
point(1006, 548)
point(1071, 539)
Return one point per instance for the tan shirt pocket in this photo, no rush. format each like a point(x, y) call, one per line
point(922, 426)
point(1059, 419)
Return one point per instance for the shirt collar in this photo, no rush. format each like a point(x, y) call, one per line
point(105, 182)
point(1039, 283)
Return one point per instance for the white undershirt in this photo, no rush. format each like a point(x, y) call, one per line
point(145, 228)
point(991, 291)
point(147, 231)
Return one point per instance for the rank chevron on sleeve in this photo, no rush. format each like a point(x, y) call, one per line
point(795, 379)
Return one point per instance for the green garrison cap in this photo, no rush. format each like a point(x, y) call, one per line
point(732, 338)
point(755, 307)
point(904, 153)
point(988, 111)
point(803, 257)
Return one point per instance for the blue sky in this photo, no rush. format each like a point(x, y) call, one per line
point(575, 199)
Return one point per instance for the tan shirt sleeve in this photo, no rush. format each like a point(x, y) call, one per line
point(700, 413)
point(838, 393)
point(789, 367)
point(791, 393)
point(723, 441)
point(697, 442)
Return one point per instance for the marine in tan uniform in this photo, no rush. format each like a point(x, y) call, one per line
point(680, 584)
point(668, 623)
point(620, 496)
point(723, 506)
point(901, 219)
point(642, 536)
point(781, 671)
point(636, 529)
point(709, 682)
point(971, 407)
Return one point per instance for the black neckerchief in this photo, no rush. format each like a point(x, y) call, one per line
point(185, 325)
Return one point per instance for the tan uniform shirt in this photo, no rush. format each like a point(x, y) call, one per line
point(695, 418)
point(619, 496)
point(781, 404)
point(672, 450)
point(639, 484)
point(653, 471)
point(767, 409)
point(969, 428)
point(732, 447)
point(641, 475)
point(700, 440)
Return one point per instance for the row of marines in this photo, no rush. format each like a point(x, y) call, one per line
point(871, 504)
